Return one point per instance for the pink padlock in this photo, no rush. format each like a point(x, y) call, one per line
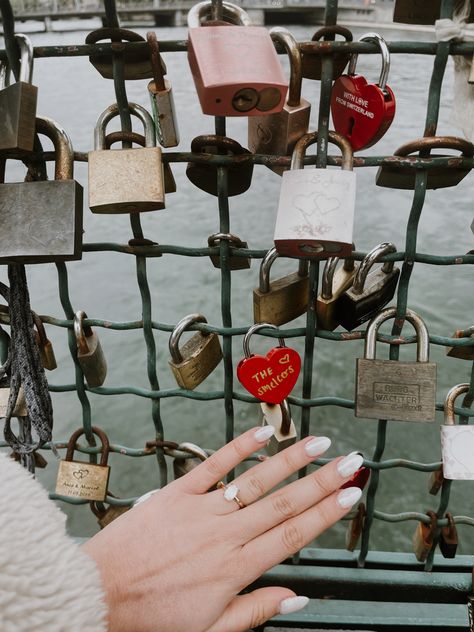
point(234, 65)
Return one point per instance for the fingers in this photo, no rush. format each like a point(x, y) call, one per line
point(253, 609)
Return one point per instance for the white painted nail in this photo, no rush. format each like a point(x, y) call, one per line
point(349, 497)
point(231, 492)
point(350, 464)
point(264, 433)
point(292, 604)
point(317, 446)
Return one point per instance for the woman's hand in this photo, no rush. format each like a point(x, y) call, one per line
point(177, 562)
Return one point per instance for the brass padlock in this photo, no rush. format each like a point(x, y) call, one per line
point(424, 536)
point(388, 389)
point(448, 538)
point(20, 409)
point(198, 357)
point(439, 177)
point(279, 416)
point(125, 180)
point(355, 527)
point(277, 302)
point(311, 62)
point(464, 353)
point(107, 514)
point(18, 102)
point(81, 479)
point(89, 352)
point(278, 133)
point(336, 280)
point(182, 466)
point(48, 359)
point(233, 262)
point(204, 175)
point(436, 481)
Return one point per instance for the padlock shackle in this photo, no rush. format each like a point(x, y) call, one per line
point(112, 111)
point(81, 331)
point(285, 427)
point(333, 30)
point(155, 60)
point(71, 444)
point(328, 275)
point(193, 449)
point(433, 526)
point(220, 142)
point(178, 330)
point(232, 12)
point(233, 240)
point(423, 339)
point(287, 40)
point(39, 328)
point(311, 138)
point(382, 44)
point(267, 261)
point(368, 261)
point(437, 142)
point(451, 397)
point(26, 57)
point(64, 165)
point(253, 329)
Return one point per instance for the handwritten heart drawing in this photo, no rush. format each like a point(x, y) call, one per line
point(270, 378)
point(318, 204)
point(361, 111)
point(80, 474)
point(326, 204)
point(457, 443)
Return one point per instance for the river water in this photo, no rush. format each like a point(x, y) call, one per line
point(104, 284)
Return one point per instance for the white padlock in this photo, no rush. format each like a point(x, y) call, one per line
point(457, 441)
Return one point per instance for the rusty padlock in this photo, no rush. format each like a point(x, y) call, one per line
point(336, 280)
point(355, 527)
point(48, 359)
point(312, 62)
point(89, 352)
point(464, 353)
point(233, 262)
point(421, 11)
point(448, 538)
point(424, 536)
point(436, 481)
point(107, 514)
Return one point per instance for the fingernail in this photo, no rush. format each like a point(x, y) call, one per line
point(349, 497)
point(264, 433)
point(292, 604)
point(317, 446)
point(350, 464)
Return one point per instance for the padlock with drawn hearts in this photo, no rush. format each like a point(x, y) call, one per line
point(362, 111)
point(269, 378)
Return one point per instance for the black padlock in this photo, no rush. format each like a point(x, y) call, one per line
point(448, 539)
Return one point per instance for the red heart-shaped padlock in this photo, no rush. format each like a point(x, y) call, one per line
point(361, 111)
point(270, 378)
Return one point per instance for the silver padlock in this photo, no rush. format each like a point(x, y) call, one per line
point(279, 416)
point(315, 216)
point(181, 466)
point(457, 441)
point(89, 352)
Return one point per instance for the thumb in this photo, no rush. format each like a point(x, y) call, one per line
point(253, 609)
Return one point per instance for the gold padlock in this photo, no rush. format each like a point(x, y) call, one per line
point(355, 528)
point(279, 416)
point(423, 538)
point(335, 282)
point(107, 514)
point(233, 262)
point(89, 352)
point(80, 479)
point(48, 359)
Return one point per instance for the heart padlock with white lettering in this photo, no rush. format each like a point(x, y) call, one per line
point(362, 111)
point(269, 378)
point(457, 441)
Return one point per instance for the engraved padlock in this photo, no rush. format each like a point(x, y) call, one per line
point(316, 208)
point(437, 178)
point(336, 280)
point(18, 102)
point(41, 221)
point(161, 97)
point(278, 133)
point(125, 180)
point(107, 513)
point(279, 416)
point(424, 537)
point(198, 357)
point(89, 352)
point(388, 389)
point(182, 466)
point(448, 538)
point(235, 67)
point(48, 359)
point(354, 530)
point(279, 301)
point(233, 262)
point(457, 441)
point(369, 293)
point(204, 175)
point(81, 479)
point(464, 353)
point(311, 62)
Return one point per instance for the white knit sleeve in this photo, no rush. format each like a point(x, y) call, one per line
point(46, 582)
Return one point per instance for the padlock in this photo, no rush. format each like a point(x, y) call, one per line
point(336, 280)
point(161, 97)
point(41, 221)
point(279, 416)
point(369, 293)
point(81, 479)
point(315, 216)
point(48, 359)
point(198, 357)
point(20, 409)
point(18, 103)
point(125, 180)
point(464, 353)
point(358, 479)
point(89, 352)
point(204, 175)
point(362, 111)
point(421, 11)
point(136, 63)
point(39, 460)
point(235, 68)
point(311, 62)
point(388, 389)
point(107, 514)
point(182, 466)
point(233, 262)
point(278, 133)
point(457, 441)
point(438, 177)
point(435, 481)
point(448, 538)
point(424, 536)
point(284, 299)
point(355, 527)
